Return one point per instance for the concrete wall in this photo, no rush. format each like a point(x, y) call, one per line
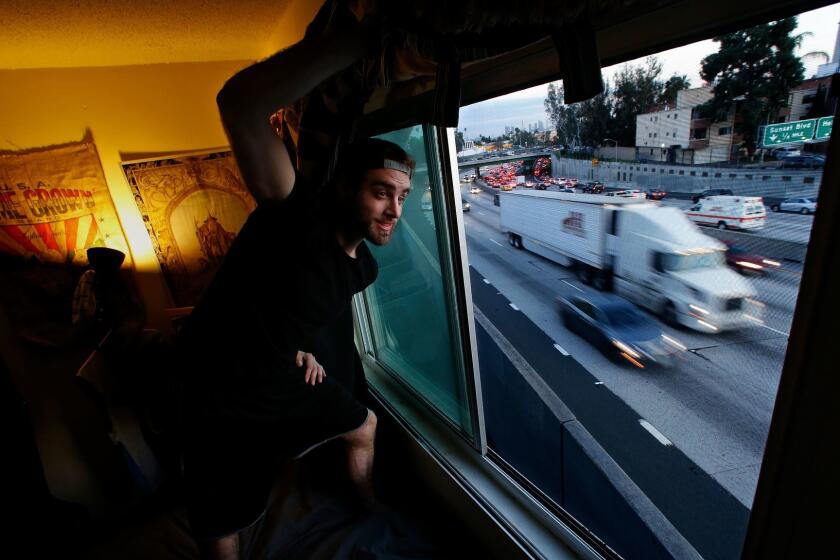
point(769, 183)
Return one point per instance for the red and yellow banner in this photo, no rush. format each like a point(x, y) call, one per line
point(55, 204)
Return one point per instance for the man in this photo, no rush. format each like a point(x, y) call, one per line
point(255, 395)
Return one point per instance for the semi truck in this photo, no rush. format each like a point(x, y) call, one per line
point(648, 253)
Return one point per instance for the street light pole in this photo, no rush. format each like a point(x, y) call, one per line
point(617, 173)
point(616, 146)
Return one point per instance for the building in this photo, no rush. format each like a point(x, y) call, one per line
point(675, 133)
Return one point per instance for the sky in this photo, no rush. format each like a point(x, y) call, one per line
point(526, 106)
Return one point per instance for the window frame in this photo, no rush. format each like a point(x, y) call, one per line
point(448, 213)
point(768, 522)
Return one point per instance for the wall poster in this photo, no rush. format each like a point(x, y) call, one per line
point(193, 206)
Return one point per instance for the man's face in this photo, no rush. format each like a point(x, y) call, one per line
point(379, 203)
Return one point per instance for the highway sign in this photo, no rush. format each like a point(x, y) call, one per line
point(785, 133)
point(824, 128)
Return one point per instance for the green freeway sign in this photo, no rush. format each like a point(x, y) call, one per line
point(824, 128)
point(784, 133)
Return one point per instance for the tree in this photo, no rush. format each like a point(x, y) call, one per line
point(753, 72)
point(612, 113)
point(459, 141)
point(522, 137)
point(672, 87)
point(563, 117)
point(637, 90)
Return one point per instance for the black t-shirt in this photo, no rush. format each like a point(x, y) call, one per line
point(285, 285)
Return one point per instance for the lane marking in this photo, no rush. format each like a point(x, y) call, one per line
point(572, 285)
point(561, 350)
point(514, 307)
point(599, 383)
point(486, 281)
point(479, 212)
point(655, 433)
point(774, 330)
point(497, 243)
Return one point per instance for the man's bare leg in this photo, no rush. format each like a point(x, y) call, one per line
point(225, 548)
point(360, 447)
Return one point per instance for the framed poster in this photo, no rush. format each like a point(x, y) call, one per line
point(193, 205)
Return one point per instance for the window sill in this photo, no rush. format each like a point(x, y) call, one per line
point(487, 499)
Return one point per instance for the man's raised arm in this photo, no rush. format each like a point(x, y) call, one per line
point(250, 97)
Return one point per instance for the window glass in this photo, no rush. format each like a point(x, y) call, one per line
point(411, 317)
point(676, 387)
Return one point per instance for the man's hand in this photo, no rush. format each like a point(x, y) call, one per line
point(314, 371)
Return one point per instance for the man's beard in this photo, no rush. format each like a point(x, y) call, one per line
point(356, 227)
point(378, 237)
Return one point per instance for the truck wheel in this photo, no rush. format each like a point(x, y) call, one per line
point(775, 208)
point(517, 242)
point(721, 225)
point(584, 273)
point(600, 281)
point(669, 314)
point(804, 212)
point(512, 239)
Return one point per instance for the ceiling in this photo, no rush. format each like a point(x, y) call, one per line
point(78, 33)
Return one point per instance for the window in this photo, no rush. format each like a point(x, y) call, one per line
point(698, 133)
point(514, 260)
point(724, 130)
point(412, 289)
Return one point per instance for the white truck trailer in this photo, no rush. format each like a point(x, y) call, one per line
point(648, 253)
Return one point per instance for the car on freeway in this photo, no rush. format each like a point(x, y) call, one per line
point(465, 206)
point(804, 161)
point(629, 193)
point(475, 190)
point(618, 329)
point(785, 151)
point(801, 205)
point(710, 192)
point(746, 262)
point(593, 187)
point(569, 190)
point(655, 194)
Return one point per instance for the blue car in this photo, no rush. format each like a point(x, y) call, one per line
point(618, 329)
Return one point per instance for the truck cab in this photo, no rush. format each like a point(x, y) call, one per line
point(662, 262)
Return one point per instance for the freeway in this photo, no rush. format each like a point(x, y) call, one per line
point(715, 405)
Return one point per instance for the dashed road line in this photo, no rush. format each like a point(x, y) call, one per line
point(561, 350)
point(599, 383)
point(514, 307)
point(572, 285)
point(655, 433)
point(486, 281)
point(774, 330)
point(497, 243)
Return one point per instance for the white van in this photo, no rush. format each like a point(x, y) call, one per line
point(725, 212)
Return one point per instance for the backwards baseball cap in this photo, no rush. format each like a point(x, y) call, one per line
point(365, 154)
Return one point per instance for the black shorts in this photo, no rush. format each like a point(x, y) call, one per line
point(230, 465)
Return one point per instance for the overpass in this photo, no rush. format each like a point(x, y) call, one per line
point(528, 158)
